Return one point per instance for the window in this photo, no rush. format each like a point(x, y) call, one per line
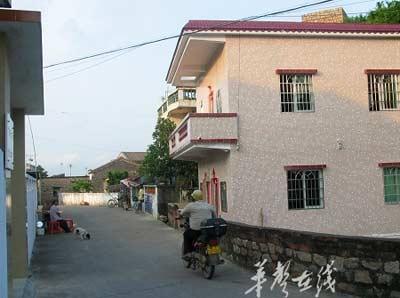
point(224, 201)
point(296, 93)
point(391, 180)
point(189, 94)
point(384, 92)
point(305, 189)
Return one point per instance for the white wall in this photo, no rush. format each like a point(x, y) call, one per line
point(31, 208)
point(94, 199)
point(3, 231)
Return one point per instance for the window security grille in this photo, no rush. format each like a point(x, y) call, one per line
point(305, 189)
point(384, 92)
point(391, 177)
point(189, 94)
point(296, 93)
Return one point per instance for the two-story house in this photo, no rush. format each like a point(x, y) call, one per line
point(297, 124)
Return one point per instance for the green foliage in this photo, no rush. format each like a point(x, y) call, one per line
point(82, 186)
point(157, 164)
point(42, 173)
point(385, 12)
point(114, 177)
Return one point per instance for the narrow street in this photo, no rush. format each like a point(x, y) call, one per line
point(130, 255)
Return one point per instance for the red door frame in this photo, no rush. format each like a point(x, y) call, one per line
point(215, 187)
point(210, 100)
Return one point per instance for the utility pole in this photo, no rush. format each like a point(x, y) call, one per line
point(70, 167)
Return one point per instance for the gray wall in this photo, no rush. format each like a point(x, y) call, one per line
point(366, 267)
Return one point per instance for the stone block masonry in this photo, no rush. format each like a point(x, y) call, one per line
point(336, 15)
point(366, 267)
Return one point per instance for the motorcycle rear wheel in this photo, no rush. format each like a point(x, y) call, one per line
point(208, 271)
point(187, 264)
point(111, 203)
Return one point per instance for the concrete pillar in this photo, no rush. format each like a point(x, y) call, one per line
point(19, 241)
point(4, 110)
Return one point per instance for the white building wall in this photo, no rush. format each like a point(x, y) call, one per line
point(270, 139)
point(31, 206)
point(94, 199)
point(3, 231)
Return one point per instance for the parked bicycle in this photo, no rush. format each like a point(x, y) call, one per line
point(113, 201)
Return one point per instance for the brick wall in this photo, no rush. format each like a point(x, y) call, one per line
point(100, 174)
point(366, 267)
point(62, 184)
point(337, 15)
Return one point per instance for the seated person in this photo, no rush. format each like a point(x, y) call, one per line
point(197, 211)
point(55, 215)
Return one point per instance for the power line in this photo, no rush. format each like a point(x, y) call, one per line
point(113, 57)
point(191, 33)
point(33, 141)
point(72, 65)
point(88, 67)
point(37, 175)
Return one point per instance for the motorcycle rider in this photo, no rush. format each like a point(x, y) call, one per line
point(196, 211)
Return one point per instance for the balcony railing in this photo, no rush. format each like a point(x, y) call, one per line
point(200, 133)
point(173, 97)
point(183, 101)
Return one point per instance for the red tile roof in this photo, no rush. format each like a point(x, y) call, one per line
point(260, 26)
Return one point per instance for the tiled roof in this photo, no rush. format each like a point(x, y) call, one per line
point(134, 156)
point(261, 26)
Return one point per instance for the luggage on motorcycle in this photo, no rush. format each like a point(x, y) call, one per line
point(214, 227)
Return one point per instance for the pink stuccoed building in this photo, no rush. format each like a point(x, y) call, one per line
point(297, 125)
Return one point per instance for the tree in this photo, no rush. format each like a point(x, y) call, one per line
point(82, 186)
point(114, 177)
point(157, 165)
point(384, 12)
point(42, 173)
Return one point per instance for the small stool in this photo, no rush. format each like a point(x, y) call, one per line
point(53, 227)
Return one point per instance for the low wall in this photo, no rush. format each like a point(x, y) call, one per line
point(366, 267)
point(94, 199)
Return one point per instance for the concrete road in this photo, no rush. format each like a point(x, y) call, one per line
point(131, 255)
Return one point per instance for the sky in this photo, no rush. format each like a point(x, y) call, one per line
point(93, 115)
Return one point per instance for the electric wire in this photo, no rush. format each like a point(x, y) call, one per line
point(88, 67)
point(126, 50)
point(191, 33)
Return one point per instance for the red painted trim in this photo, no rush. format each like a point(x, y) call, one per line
point(212, 115)
point(296, 71)
point(173, 141)
point(382, 71)
point(183, 132)
point(262, 26)
point(182, 136)
point(210, 141)
point(304, 167)
point(389, 164)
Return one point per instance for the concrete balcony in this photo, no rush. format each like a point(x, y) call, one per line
point(200, 134)
point(178, 104)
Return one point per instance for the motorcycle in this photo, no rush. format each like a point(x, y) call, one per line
point(206, 254)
